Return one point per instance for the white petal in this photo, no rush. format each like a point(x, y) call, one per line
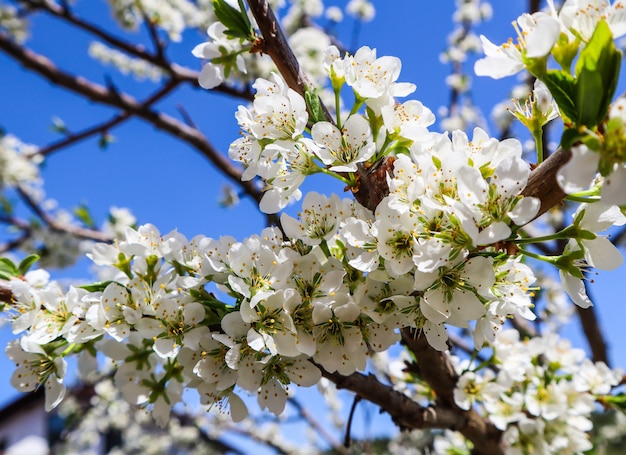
point(273, 397)
point(614, 187)
point(211, 76)
point(601, 253)
point(55, 391)
point(238, 409)
point(437, 336)
point(434, 306)
point(575, 288)
point(493, 233)
point(541, 38)
point(525, 210)
point(578, 173)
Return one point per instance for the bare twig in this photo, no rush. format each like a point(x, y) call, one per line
point(306, 415)
point(72, 138)
point(77, 231)
point(102, 128)
point(158, 59)
point(409, 415)
point(347, 438)
point(275, 45)
point(95, 92)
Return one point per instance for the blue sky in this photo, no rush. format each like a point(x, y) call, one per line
point(166, 183)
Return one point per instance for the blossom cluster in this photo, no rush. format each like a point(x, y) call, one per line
point(171, 16)
point(12, 23)
point(276, 305)
point(584, 30)
point(439, 242)
point(18, 163)
point(127, 65)
point(541, 394)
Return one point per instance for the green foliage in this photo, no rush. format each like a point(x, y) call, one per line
point(585, 97)
point(9, 270)
point(236, 21)
point(99, 286)
point(314, 106)
point(83, 214)
point(597, 72)
point(563, 88)
point(617, 401)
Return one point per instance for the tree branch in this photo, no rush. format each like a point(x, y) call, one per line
point(95, 92)
point(542, 182)
point(276, 46)
point(306, 415)
point(105, 126)
point(409, 415)
point(158, 59)
point(77, 231)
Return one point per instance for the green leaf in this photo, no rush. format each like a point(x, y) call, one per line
point(5, 205)
point(588, 98)
point(617, 401)
point(563, 89)
point(8, 268)
point(96, 287)
point(314, 105)
point(597, 72)
point(83, 214)
point(236, 21)
point(27, 263)
point(570, 137)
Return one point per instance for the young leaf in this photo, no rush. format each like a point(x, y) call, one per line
point(27, 263)
point(96, 287)
point(314, 106)
point(563, 89)
point(236, 21)
point(8, 269)
point(83, 214)
point(597, 72)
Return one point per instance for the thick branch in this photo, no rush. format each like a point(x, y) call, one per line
point(593, 333)
point(409, 415)
point(405, 412)
point(542, 182)
point(275, 45)
point(435, 368)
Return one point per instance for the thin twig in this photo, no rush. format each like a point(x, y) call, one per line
point(158, 59)
point(347, 437)
point(95, 92)
point(313, 423)
point(77, 231)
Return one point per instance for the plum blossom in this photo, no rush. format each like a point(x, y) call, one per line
point(36, 367)
point(343, 149)
point(589, 249)
point(374, 78)
point(582, 16)
point(537, 33)
point(219, 45)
